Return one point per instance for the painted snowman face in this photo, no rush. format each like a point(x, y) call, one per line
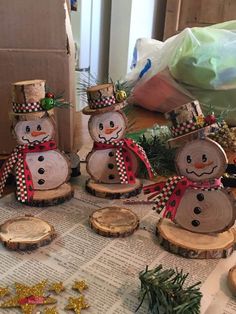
point(34, 131)
point(201, 160)
point(107, 127)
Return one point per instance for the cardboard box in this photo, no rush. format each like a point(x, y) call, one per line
point(36, 43)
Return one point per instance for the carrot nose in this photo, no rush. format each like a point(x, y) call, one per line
point(110, 130)
point(201, 165)
point(37, 133)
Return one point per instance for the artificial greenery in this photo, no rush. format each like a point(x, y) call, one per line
point(160, 156)
point(166, 292)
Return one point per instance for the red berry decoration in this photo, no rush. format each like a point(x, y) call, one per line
point(210, 119)
point(49, 95)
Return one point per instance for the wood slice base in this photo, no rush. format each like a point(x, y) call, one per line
point(231, 279)
point(52, 197)
point(194, 245)
point(114, 221)
point(113, 191)
point(26, 233)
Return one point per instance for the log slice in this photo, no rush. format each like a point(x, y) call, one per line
point(113, 191)
point(52, 197)
point(26, 233)
point(114, 221)
point(194, 245)
point(231, 279)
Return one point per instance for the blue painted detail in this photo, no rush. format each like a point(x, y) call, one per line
point(146, 68)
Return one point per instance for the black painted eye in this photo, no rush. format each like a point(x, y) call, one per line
point(100, 126)
point(27, 129)
point(204, 158)
point(112, 124)
point(39, 127)
point(189, 160)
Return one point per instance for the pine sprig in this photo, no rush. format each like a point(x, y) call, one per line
point(160, 157)
point(166, 292)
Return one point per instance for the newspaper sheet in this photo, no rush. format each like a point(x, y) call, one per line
point(109, 266)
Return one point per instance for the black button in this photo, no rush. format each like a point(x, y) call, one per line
point(110, 166)
point(41, 158)
point(127, 159)
point(178, 192)
point(41, 171)
point(157, 188)
point(111, 154)
point(41, 147)
point(200, 197)
point(111, 177)
point(28, 177)
point(51, 144)
point(41, 181)
point(173, 203)
point(31, 147)
point(30, 188)
point(195, 223)
point(197, 210)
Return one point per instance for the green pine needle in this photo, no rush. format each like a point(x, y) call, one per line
point(167, 293)
point(160, 156)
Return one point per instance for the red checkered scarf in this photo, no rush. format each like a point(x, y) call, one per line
point(17, 159)
point(168, 194)
point(123, 158)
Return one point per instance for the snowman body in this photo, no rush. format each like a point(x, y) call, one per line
point(107, 128)
point(204, 207)
point(49, 169)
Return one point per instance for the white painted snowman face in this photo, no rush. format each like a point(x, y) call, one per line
point(201, 160)
point(34, 131)
point(107, 127)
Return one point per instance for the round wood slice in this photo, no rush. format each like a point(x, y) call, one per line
point(52, 197)
point(114, 221)
point(201, 160)
point(194, 245)
point(26, 233)
point(206, 211)
point(113, 191)
point(231, 279)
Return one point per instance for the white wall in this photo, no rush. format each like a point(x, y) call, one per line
point(130, 20)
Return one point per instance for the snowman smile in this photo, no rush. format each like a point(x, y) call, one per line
point(35, 141)
point(201, 174)
point(111, 138)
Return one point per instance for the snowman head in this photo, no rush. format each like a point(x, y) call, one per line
point(34, 131)
point(107, 127)
point(201, 160)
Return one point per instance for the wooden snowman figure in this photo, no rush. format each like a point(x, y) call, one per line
point(41, 170)
point(195, 200)
point(112, 163)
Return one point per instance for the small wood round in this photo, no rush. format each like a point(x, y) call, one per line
point(26, 233)
point(194, 245)
point(52, 197)
point(231, 279)
point(113, 191)
point(28, 91)
point(114, 221)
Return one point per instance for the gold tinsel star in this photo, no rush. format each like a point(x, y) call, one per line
point(50, 310)
point(27, 297)
point(57, 287)
point(4, 292)
point(79, 285)
point(77, 304)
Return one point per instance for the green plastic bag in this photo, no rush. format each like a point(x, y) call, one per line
point(204, 62)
